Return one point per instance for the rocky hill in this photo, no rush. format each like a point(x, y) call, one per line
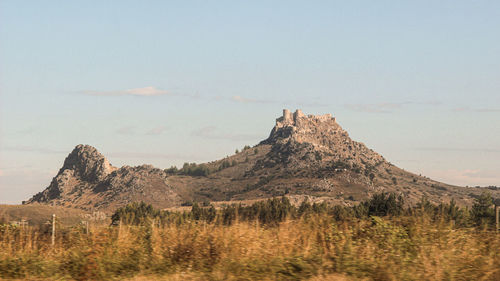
point(304, 157)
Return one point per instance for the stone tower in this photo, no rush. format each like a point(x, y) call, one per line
point(287, 116)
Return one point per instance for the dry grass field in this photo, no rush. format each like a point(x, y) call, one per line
point(313, 247)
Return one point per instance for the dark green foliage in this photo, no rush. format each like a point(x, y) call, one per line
point(371, 176)
point(205, 214)
point(271, 211)
point(482, 211)
point(225, 164)
point(192, 169)
point(187, 203)
point(318, 156)
point(172, 170)
point(394, 180)
point(341, 165)
point(135, 214)
point(384, 204)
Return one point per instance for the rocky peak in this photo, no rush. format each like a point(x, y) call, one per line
point(317, 139)
point(304, 128)
point(86, 163)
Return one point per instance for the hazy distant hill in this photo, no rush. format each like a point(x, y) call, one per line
point(304, 156)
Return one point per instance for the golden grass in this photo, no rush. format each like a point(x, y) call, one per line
point(315, 248)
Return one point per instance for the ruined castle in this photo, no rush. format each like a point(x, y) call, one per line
point(291, 119)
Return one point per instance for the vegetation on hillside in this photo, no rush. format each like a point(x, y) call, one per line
point(379, 239)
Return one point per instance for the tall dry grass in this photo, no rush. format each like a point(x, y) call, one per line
point(314, 247)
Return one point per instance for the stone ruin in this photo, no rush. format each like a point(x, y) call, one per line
point(291, 119)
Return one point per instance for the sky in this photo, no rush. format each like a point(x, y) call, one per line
point(168, 82)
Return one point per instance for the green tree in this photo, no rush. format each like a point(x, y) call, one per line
point(383, 204)
point(482, 212)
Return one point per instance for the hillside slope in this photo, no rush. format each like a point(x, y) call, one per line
point(304, 156)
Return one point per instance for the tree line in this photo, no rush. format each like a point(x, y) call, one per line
point(273, 211)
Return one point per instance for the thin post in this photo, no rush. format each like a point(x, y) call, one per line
point(120, 228)
point(497, 216)
point(53, 229)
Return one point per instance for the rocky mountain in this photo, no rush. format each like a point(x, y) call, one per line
point(87, 180)
point(304, 157)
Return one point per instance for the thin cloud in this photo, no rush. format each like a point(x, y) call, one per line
point(374, 108)
point(459, 149)
point(34, 149)
point(149, 155)
point(157, 130)
point(387, 107)
point(127, 130)
point(211, 132)
point(241, 99)
point(144, 92)
point(131, 130)
point(480, 110)
point(470, 177)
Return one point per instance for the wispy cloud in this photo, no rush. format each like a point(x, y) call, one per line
point(132, 130)
point(471, 177)
point(241, 99)
point(127, 130)
point(387, 107)
point(374, 108)
point(34, 149)
point(212, 132)
point(459, 149)
point(151, 91)
point(157, 130)
point(479, 110)
point(145, 92)
point(150, 155)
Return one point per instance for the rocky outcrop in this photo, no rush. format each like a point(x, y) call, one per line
point(88, 180)
point(316, 140)
point(87, 164)
point(83, 165)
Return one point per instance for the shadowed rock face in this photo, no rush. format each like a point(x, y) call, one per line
point(87, 164)
point(83, 164)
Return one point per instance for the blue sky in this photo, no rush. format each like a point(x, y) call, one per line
point(166, 82)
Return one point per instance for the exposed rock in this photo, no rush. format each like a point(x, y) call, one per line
point(305, 155)
point(318, 141)
point(83, 164)
point(88, 180)
point(87, 164)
